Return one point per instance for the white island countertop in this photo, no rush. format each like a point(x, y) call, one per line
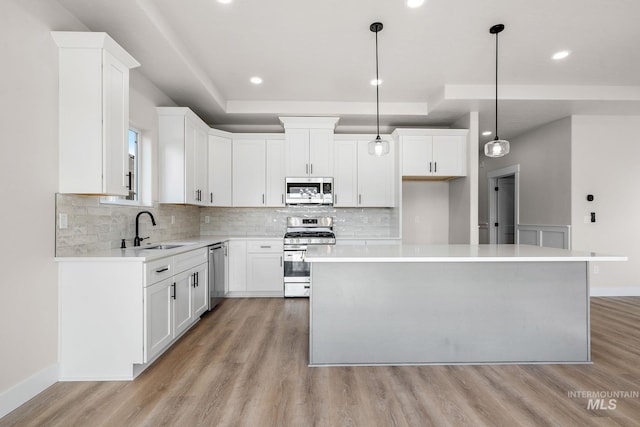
point(450, 253)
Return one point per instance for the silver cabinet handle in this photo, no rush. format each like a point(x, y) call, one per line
point(174, 290)
point(359, 199)
point(335, 199)
point(311, 168)
point(282, 197)
point(280, 260)
point(265, 246)
point(306, 168)
point(435, 166)
point(225, 251)
point(430, 167)
point(211, 198)
point(263, 198)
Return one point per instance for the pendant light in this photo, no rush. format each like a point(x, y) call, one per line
point(378, 147)
point(498, 147)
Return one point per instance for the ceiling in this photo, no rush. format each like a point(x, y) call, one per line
point(437, 61)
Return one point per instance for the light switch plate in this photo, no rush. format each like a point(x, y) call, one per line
point(63, 221)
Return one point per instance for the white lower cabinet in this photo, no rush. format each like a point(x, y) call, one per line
point(158, 319)
point(174, 303)
point(255, 268)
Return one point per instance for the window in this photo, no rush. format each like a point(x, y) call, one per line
point(134, 175)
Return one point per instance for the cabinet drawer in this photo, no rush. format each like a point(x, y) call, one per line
point(158, 270)
point(187, 260)
point(266, 246)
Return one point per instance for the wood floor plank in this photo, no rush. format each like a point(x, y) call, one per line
point(246, 364)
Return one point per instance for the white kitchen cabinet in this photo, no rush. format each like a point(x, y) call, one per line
point(249, 170)
point(309, 152)
point(265, 273)
point(376, 177)
point(182, 158)
point(200, 290)
point(219, 173)
point(237, 267)
point(439, 153)
point(275, 171)
point(181, 302)
point(158, 319)
point(309, 146)
point(93, 113)
point(345, 177)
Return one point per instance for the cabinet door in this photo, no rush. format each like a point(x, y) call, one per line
point(275, 173)
point(158, 323)
point(200, 290)
point(417, 157)
point(375, 177)
point(265, 272)
point(345, 177)
point(116, 125)
point(191, 195)
point(296, 143)
point(200, 162)
point(219, 171)
point(321, 152)
point(249, 172)
point(237, 266)
point(181, 302)
point(449, 154)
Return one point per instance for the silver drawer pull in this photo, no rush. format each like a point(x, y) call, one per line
point(265, 246)
point(162, 270)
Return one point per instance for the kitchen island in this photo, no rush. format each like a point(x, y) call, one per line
point(448, 304)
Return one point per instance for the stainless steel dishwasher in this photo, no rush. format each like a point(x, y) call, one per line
point(217, 273)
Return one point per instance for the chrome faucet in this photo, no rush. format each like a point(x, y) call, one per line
point(138, 239)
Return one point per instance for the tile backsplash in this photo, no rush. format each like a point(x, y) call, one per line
point(94, 226)
point(348, 222)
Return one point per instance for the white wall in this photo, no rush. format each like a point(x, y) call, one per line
point(544, 156)
point(29, 178)
point(425, 212)
point(606, 158)
point(463, 192)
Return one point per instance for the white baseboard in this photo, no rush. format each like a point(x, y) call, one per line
point(631, 291)
point(20, 393)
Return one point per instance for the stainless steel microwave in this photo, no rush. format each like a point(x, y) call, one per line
point(309, 191)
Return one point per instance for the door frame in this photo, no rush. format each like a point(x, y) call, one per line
point(492, 178)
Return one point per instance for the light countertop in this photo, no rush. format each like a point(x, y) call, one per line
point(449, 253)
point(140, 254)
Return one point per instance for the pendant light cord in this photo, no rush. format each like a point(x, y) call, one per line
point(496, 138)
point(377, 91)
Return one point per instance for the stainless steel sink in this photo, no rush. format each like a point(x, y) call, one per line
point(169, 246)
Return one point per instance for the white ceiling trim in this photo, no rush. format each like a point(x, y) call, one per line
point(542, 93)
point(326, 108)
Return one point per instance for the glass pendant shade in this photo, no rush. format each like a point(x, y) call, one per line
point(378, 147)
point(496, 148)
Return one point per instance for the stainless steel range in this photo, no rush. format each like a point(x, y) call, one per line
point(302, 232)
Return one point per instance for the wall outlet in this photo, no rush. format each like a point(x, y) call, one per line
point(173, 219)
point(63, 221)
point(596, 269)
point(207, 220)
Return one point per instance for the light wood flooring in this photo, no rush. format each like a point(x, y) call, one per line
point(245, 364)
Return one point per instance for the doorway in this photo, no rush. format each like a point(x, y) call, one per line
point(503, 205)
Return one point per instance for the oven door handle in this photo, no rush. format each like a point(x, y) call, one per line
point(294, 256)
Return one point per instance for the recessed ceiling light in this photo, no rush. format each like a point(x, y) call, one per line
point(225, 1)
point(486, 133)
point(415, 3)
point(255, 80)
point(376, 82)
point(561, 55)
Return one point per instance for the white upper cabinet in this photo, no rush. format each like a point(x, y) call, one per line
point(345, 177)
point(309, 146)
point(182, 158)
point(93, 113)
point(438, 153)
point(275, 171)
point(376, 177)
point(249, 171)
point(220, 175)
